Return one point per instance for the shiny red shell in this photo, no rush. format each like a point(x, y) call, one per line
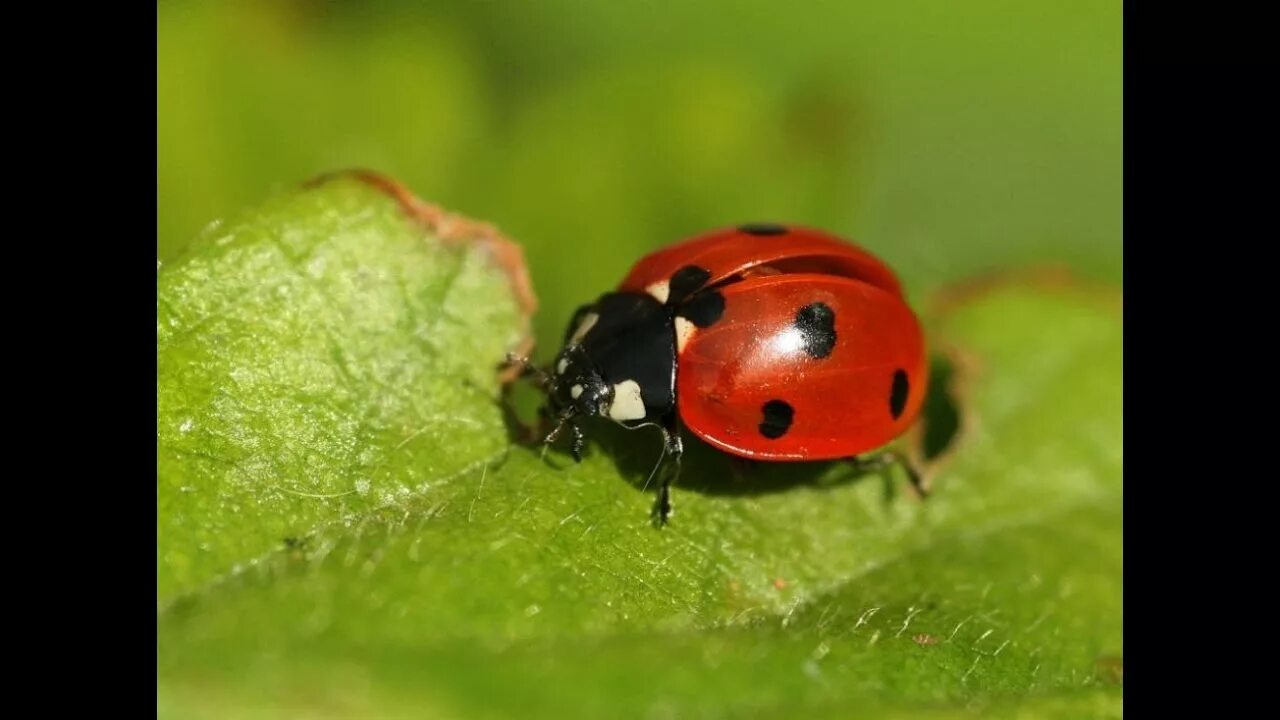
point(733, 251)
point(755, 383)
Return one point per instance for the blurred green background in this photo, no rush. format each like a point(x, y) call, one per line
point(950, 138)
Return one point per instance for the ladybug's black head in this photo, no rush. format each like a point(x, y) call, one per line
point(577, 387)
point(618, 363)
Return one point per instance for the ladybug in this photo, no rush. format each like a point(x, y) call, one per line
point(768, 342)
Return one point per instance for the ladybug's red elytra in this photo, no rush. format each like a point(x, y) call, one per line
point(769, 342)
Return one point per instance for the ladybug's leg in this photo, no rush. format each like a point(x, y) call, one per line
point(578, 441)
point(528, 370)
point(892, 457)
point(672, 452)
point(740, 467)
point(523, 370)
point(554, 434)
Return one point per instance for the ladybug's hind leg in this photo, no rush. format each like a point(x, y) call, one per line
point(892, 457)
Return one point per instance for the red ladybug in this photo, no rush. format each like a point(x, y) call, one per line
point(768, 342)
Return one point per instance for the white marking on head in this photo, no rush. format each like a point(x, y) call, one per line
point(575, 391)
point(627, 403)
point(584, 327)
point(660, 290)
point(562, 365)
point(684, 332)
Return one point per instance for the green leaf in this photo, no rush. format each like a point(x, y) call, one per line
point(321, 357)
point(472, 579)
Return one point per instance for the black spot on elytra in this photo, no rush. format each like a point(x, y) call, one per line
point(703, 310)
point(778, 416)
point(763, 229)
point(898, 395)
point(817, 325)
point(685, 282)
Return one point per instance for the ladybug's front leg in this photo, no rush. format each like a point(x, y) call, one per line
point(524, 369)
point(575, 446)
point(577, 442)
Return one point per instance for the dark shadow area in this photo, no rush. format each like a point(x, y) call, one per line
point(940, 415)
point(707, 470)
point(704, 468)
